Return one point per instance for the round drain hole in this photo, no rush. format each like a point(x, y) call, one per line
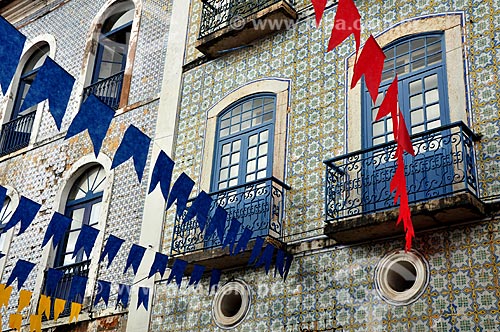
point(401, 277)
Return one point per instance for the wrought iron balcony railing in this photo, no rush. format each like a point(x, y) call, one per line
point(257, 205)
point(16, 134)
point(64, 285)
point(219, 14)
point(444, 165)
point(107, 90)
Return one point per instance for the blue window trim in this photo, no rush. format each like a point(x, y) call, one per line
point(100, 49)
point(366, 102)
point(242, 134)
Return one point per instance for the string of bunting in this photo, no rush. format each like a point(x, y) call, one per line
point(370, 64)
point(54, 84)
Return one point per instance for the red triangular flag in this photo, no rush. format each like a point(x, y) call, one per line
point(390, 103)
point(347, 22)
point(370, 64)
point(403, 137)
point(319, 8)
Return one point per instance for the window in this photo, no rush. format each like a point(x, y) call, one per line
point(5, 214)
point(83, 206)
point(419, 62)
point(111, 56)
point(17, 132)
point(244, 148)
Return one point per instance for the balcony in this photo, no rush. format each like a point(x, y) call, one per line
point(441, 182)
point(107, 90)
point(16, 133)
point(64, 285)
point(230, 24)
point(257, 205)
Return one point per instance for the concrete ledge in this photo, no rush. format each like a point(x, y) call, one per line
point(434, 213)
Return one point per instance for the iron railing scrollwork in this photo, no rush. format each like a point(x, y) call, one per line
point(444, 164)
point(16, 133)
point(257, 205)
point(63, 287)
point(219, 14)
point(107, 90)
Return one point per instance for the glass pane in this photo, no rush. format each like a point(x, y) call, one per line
point(68, 260)
point(245, 125)
point(235, 158)
point(418, 129)
point(387, 75)
point(95, 214)
point(433, 59)
point(234, 171)
point(417, 116)
point(416, 101)
point(433, 112)
point(378, 128)
point(430, 82)
point(236, 112)
point(235, 119)
point(268, 117)
point(225, 123)
point(236, 145)
point(418, 65)
point(235, 129)
point(434, 124)
point(431, 49)
point(246, 116)
point(403, 70)
point(224, 161)
point(252, 153)
point(261, 175)
point(257, 102)
point(417, 43)
point(223, 174)
point(73, 236)
point(415, 87)
point(226, 148)
point(402, 49)
point(233, 182)
point(431, 96)
point(251, 166)
point(263, 149)
point(253, 140)
point(222, 185)
point(264, 136)
point(2, 241)
point(250, 177)
point(77, 217)
point(247, 106)
point(224, 132)
point(262, 164)
point(404, 59)
point(378, 140)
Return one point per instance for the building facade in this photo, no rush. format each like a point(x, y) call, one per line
point(245, 99)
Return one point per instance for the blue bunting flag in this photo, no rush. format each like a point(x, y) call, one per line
point(288, 264)
point(200, 209)
point(135, 258)
point(52, 279)
point(103, 291)
point(196, 275)
point(3, 190)
point(56, 230)
point(177, 272)
point(21, 271)
point(159, 265)
point(180, 192)
point(266, 257)
point(95, 117)
point(214, 280)
point(77, 289)
point(86, 240)
point(143, 298)
point(243, 241)
point(231, 234)
point(135, 145)
point(52, 82)
point(280, 263)
point(123, 295)
point(162, 173)
point(24, 213)
point(217, 223)
point(113, 245)
point(257, 248)
point(12, 44)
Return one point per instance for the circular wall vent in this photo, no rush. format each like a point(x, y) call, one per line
point(401, 277)
point(231, 304)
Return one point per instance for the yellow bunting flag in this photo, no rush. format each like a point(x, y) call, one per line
point(44, 306)
point(15, 321)
point(35, 323)
point(24, 300)
point(5, 295)
point(75, 311)
point(59, 305)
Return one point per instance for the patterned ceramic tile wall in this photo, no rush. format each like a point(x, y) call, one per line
point(336, 286)
point(38, 173)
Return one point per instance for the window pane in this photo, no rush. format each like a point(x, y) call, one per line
point(251, 166)
point(224, 161)
point(416, 101)
point(235, 158)
point(252, 153)
point(263, 149)
point(95, 214)
point(253, 140)
point(417, 116)
point(262, 163)
point(433, 112)
point(223, 174)
point(77, 217)
point(431, 96)
point(430, 82)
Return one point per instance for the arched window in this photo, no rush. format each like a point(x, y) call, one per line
point(111, 56)
point(419, 63)
point(244, 142)
point(83, 207)
point(17, 132)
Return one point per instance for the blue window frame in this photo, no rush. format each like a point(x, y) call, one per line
point(111, 56)
point(244, 143)
point(83, 207)
point(419, 62)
